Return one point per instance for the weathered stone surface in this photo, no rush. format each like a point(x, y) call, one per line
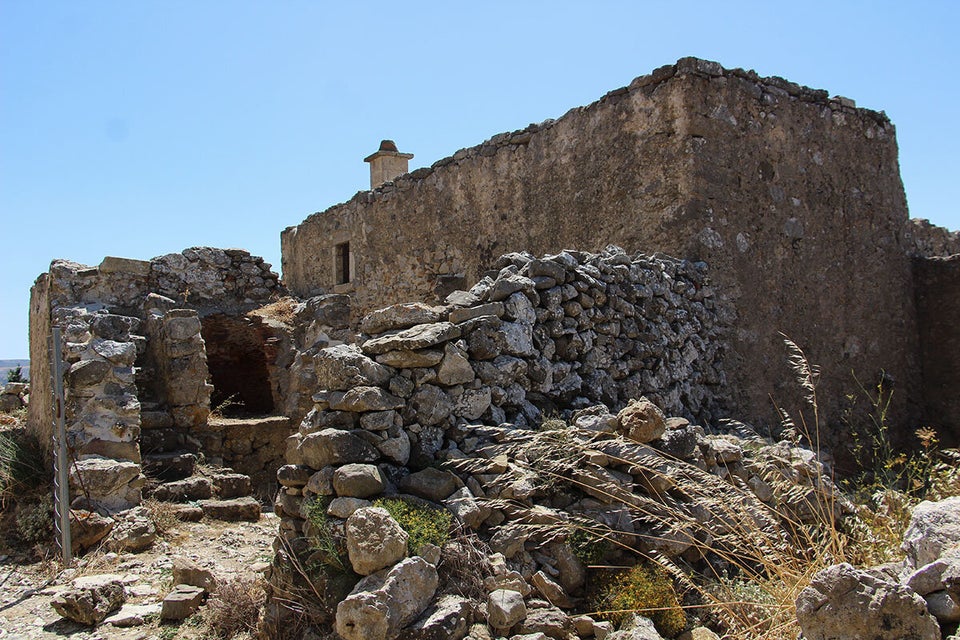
point(942, 606)
point(134, 531)
point(334, 447)
point(419, 337)
point(455, 368)
point(231, 485)
point(246, 508)
point(844, 603)
point(91, 603)
point(636, 628)
point(642, 421)
point(190, 572)
point(408, 359)
point(431, 405)
point(505, 608)
point(549, 621)
point(182, 602)
point(359, 399)
point(192, 488)
point(934, 528)
point(87, 528)
point(447, 619)
point(374, 540)
point(113, 484)
point(344, 366)
point(431, 483)
point(550, 590)
point(343, 508)
point(400, 316)
point(133, 615)
point(384, 603)
point(358, 480)
point(465, 508)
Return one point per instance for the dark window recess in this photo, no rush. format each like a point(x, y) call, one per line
point(341, 256)
point(238, 366)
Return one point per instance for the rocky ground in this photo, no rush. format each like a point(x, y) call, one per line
point(228, 549)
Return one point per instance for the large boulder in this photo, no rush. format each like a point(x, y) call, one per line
point(374, 540)
point(382, 604)
point(844, 603)
point(934, 528)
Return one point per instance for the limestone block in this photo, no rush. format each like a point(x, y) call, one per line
point(358, 480)
point(344, 366)
point(334, 447)
point(505, 608)
point(92, 602)
point(455, 368)
point(188, 571)
point(182, 602)
point(447, 619)
point(431, 405)
point(642, 421)
point(360, 398)
point(374, 540)
point(934, 528)
point(430, 483)
point(408, 359)
point(399, 316)
point(844, 603)
point(419, 337)
point(134, 531)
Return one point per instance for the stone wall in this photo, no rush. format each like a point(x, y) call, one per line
point(794, 199)
point(938, 306)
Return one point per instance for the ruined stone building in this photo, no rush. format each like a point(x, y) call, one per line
point(773, 208)
point(792, 198)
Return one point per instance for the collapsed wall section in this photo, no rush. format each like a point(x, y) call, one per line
point(136, 374)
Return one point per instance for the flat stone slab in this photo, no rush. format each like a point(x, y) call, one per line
point(182, 602)
point(245, 508)
point(418, 337)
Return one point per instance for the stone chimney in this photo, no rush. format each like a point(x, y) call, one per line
point(387, 163)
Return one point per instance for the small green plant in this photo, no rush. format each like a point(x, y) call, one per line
point(16, 375)
point(35, 521)
point(647, 590)
point(426, 525)
point(331, 549)
point(589, 547)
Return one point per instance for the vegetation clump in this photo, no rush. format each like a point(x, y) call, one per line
point(425, 524)
point(646, 590)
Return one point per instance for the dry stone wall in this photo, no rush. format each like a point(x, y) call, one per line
point(793, 197)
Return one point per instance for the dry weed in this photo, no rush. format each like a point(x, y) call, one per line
point(235, 609)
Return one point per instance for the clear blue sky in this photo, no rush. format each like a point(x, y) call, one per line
point(141, 128)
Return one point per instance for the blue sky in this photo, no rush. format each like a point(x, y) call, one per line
point(141, 128)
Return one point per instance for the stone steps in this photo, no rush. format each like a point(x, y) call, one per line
point(221, 493)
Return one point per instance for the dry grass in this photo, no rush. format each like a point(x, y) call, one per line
point(234, 611)
point(283, 310)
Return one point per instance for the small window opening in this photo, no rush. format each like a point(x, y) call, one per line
point(342, 260)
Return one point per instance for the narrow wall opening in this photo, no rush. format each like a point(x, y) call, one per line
point(238, 366)
point(341, 257)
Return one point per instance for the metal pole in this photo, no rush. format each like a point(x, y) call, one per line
point(61, 479)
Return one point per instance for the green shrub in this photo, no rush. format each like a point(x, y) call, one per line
point(588, 546)
point(647, 590)
point(35, 521)
point(330, 549)
point(426, 525)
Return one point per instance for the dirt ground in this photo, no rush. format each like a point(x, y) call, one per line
point(229, 549)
